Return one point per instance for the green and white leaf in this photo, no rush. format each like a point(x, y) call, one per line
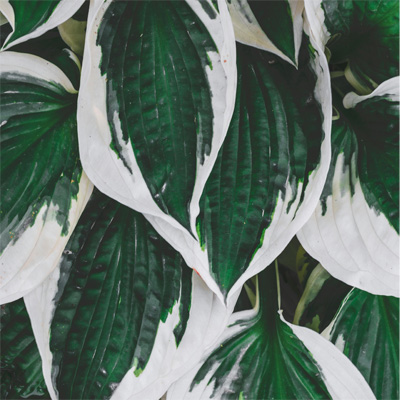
point(269, 172)
point(122, 315)
point(158, 86)
point(261, 356)
point(52, 48)
point(20, 364)
point(366, 330)
point(354, 232)
point(30, 19)
point(363, 33)
point(274, 26)
point(43, 187)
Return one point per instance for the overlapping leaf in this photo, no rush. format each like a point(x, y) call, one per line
point(30, 19)
point(366, 329)
point(263, 357)
point(270, 169)
point(20, 364)
point(364, 34)
point(158, 86)
point(51, 47)
point(42, 183)
point(122, 313)
point(354, 230)
point(275, 26)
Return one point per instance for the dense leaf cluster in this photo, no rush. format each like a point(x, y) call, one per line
point(199, 199)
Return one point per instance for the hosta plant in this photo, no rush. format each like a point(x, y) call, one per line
point(199, 199)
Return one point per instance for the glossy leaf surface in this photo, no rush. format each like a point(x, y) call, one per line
point(274, 26)
point(20, 364)
point(32, 18)
point(260, 356)
point(354, 231)
point(167, 71)
point(265, 167)
point(119, 293)
point(162, 82)
point(119, 279)
point(42, 184)
point(366, 329)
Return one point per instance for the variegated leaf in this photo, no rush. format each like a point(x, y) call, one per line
point(363, 34)
point(366, 330)
point(122, 316)
point(354, 232)
point(43, 187)
point(261, 356)
point(269, 172)
point(274, 26)
point(157, 95)
point(30, 19)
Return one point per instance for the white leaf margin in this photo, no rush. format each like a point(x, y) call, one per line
point(167, 363)
point(352, 242)
point(327, 332)
point(248, 31)
point(180, 388)
point(389, 89)
point(102, 164)
point(27, 261)
point(64, 10)
point(316, 19)
point(341, 377)
point(108, 172)
point(284, 225)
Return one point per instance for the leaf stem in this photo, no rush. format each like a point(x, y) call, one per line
point(278, 286)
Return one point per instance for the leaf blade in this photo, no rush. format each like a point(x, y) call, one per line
point(354, 230)
point(216, 81)
point(255, 25)
point(43, 186)
point(366, 330)
point(260, 355)
point(116, 316)
point(265, 167)
point(21, 367)
point(32, 19)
